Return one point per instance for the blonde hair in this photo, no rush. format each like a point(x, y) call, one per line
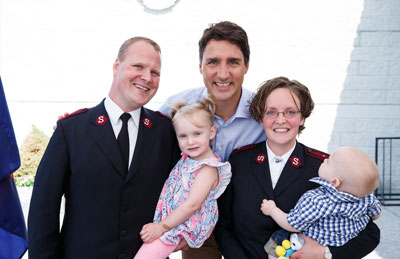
point(182, 108)
point(359, 171)
point(124, 47)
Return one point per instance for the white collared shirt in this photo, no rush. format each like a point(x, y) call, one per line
point(275, 168)
point(115, 112)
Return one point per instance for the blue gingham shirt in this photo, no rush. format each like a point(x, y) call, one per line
point(238, 131)
point(332, 217)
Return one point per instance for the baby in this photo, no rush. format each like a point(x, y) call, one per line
point(341, 207)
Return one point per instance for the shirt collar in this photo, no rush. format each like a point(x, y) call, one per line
point(334, 193)
point(242, 111)
point(284, 157)
point(114, 112)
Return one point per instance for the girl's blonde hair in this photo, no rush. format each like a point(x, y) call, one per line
point(183, 108)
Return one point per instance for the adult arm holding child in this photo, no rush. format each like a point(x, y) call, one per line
point(206, 179)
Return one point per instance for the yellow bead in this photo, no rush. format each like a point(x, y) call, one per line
point(286, 244)
point(280, 251)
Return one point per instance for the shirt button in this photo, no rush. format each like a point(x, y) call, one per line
point(220, 147)
point(123, 233)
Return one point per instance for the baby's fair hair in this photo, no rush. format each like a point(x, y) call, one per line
point(359, 172)
point(183, 108)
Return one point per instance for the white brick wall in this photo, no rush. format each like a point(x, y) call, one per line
point(371, 93)
point(370, 100)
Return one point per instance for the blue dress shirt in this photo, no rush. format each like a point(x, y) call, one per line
point(238, 131)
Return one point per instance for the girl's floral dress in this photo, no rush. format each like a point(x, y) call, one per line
point(200, 225)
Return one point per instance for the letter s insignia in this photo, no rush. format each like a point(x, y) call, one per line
point(101, 120)
point(260, 158)
point(147, 122)
point(295, 161)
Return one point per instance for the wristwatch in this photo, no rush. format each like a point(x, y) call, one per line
point(327, 253)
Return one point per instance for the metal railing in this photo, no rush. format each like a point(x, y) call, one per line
point(387, 157)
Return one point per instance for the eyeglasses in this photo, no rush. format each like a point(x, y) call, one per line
point(289, 113)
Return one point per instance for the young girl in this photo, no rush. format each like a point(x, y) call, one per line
point(187, 207)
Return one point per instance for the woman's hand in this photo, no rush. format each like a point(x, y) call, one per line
point(310, 249)
point(151, 232)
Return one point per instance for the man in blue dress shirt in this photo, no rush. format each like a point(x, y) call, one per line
point(224, 60)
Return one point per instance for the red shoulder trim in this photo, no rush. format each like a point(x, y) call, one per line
point(245, 147)
point(74, 113)
point(163, 115)
point(316, 153)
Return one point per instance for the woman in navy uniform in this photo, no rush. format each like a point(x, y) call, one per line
point(278, 169)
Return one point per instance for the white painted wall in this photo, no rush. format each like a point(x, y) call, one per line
point(57, 55)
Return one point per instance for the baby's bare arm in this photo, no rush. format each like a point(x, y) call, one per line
point(269, 208)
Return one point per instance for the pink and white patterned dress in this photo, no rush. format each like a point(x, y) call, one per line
point(200, 225)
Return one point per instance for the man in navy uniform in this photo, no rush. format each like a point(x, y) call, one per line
point(110, 189)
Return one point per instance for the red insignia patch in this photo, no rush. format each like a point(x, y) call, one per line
point(163, 115)
point(245, 147)
point(260, 158)
point(74, 113)
point(147, 122)
point(316, 154)
point(101, 120)
point(295, 161)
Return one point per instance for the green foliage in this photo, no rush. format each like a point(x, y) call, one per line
point(31, 152)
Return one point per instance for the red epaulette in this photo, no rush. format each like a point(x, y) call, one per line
point(163, 115)
point(316, 153)
point(75, 113)
point(245, 147)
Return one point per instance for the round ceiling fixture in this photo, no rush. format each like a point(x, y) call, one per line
point(158, 6)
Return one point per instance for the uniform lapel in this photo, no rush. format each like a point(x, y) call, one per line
point(105, 137)
point(147, 135)
point(292, 170)
point(261, 170)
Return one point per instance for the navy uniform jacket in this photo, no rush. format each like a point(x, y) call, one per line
point(104, 211)
point(242, 229)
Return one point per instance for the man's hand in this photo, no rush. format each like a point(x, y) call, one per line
point(182, 246)
point(310, 250)
point(267, 206)
point(151, 232)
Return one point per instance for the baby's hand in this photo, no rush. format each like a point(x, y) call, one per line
point(151, 232)
point(267, 206)
point(61, 117)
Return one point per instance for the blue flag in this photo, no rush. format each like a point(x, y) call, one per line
point(13, 239)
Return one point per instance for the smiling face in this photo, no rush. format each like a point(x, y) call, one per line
point(194, 132)
point(136, 76)
point(223, 69)
point(281, 132)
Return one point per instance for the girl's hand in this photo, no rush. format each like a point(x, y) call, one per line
point(267, 206)
point(151, 232)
